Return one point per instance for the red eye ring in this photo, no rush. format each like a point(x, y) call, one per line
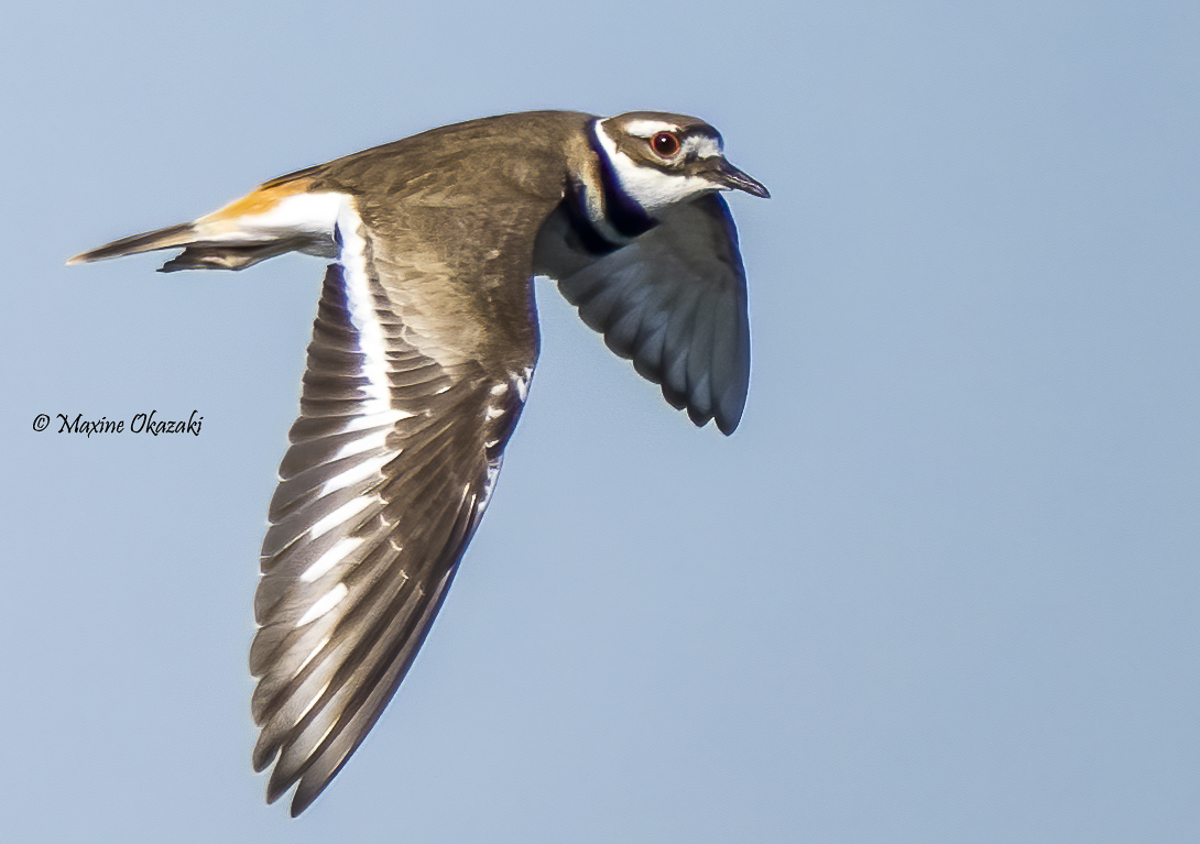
point(665, 144)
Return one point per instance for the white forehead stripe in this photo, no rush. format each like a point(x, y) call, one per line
point(702, 146)
point(649, 128)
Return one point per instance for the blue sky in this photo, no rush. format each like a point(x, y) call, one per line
point(939, 587)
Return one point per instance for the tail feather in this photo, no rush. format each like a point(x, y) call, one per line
point(171, 237)
point(281, 216)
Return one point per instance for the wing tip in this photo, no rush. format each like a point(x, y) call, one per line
point(309, 786)
point(302, 800)
point(728, 407)
point(727, 425)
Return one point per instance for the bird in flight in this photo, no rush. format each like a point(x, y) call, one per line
point(423, 346)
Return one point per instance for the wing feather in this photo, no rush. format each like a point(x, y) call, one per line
point(389, 468)
point(673, 300)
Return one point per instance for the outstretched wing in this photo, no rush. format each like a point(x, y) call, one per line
point(390, 467)
point(674, 300)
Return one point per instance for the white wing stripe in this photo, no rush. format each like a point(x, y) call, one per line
point(342, 514)
point(340, 550)
point(324, 604)
point(363, 315)
point(375, 438)
point(354, 474)
point(316, 650)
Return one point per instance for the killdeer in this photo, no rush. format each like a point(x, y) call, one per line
point(423, 347)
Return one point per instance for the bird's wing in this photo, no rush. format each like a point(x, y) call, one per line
point(390, 466)
point(674, 300)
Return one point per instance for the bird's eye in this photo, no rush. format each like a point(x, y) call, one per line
point(665, 144)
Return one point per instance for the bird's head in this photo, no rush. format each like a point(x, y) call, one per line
point(663, 159)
